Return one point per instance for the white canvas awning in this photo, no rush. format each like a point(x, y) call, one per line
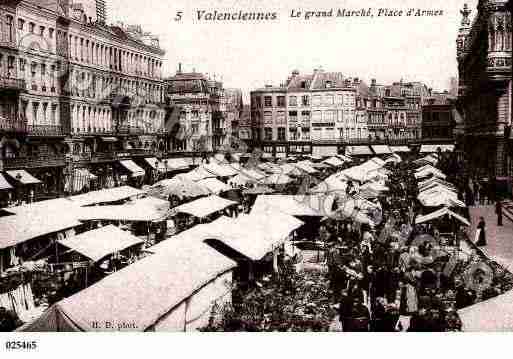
point(99, 243)
point(105, 195)
point(131, 212)
point(204, 206)
point(23, 177)
point(440, 213)
point(358, 151)
point(175, 164)
point(306, 166)
point(133, 168)
point(37, 219)
point(381, 149)
point(277, 179)
point(299, 205)
point(220, 170)
point(334, 161)
point(160, 292)
point(197, 174)
point(214, 185)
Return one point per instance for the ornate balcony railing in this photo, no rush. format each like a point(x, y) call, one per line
point(45, 130)
point(34, 162)
point(10, 83)
point(13, 124)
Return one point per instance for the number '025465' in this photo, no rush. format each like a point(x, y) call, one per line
point(21, 345)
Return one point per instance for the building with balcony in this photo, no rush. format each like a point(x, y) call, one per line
point(403, 104)
point(76, 88)
point(193, 107)
point(310, 113)
point(484, 70)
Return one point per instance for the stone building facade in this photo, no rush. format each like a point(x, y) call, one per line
point(484, 66)
point(88, 94)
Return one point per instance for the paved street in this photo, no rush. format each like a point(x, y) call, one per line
point(500, 239)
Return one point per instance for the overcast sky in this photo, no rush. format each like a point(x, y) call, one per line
point(247, 55)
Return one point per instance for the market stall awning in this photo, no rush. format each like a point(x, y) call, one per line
point(144, 293)
point(197, 174)
point(306, 166)
point(105, 195)
point(492, 315)
point(35, 220)
point(3, 183)
point(205, 206)
point(334, 161)
point(178, 186)
point(23, 177)
point(440, 213)
point(214, 185)
point(109, 139)
point(255, 174)
point(175, 164)
point(241, 180)
point(358, 151)
point(400, 149)
point(299, 205)
point(131, 212)
point(268, 230)
point(220, 170)
point(99, 243)
point(277, 180)
point(330, 185)
point(381, 149)
point(319, 152)
point(133, 168)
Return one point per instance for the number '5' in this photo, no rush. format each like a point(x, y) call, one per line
point(178, 15)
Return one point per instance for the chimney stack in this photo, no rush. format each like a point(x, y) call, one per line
point(179, 68)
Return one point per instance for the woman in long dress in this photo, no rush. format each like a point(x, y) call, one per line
point(481, 241)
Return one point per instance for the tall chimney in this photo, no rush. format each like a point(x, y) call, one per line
point(179, 68)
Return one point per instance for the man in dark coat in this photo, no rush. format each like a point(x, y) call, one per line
point(498, 211)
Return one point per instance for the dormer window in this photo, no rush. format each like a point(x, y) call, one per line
point(328, 84)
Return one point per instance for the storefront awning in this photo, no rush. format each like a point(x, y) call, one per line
point(99, 243)
point(23, 177)
point(400, 148)
point(381, 149)
point(176, 164)
point(3, 183)
point(434, 148)
point(204, 206)
point(133, 168)
point(109, 139)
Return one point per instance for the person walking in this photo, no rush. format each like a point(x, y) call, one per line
point(498, 211)
point(481, 240)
